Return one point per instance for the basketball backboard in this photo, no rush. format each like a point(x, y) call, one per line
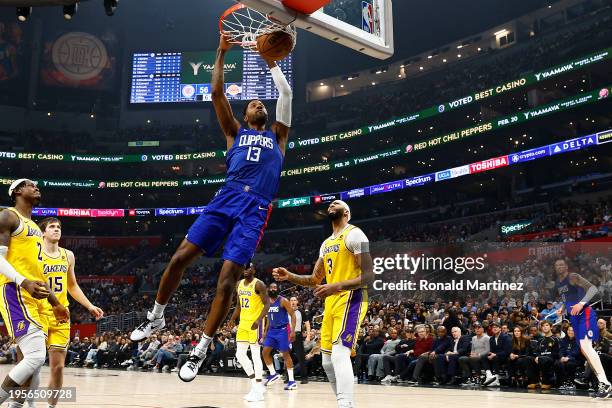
point(363, 25)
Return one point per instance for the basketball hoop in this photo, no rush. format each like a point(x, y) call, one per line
point(243, 25)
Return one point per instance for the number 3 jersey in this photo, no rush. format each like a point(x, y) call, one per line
point(255, 161)
point(56, 274)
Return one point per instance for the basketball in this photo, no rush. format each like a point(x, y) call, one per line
point(276, 45)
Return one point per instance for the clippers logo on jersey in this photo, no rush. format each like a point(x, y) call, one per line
point(256, 140)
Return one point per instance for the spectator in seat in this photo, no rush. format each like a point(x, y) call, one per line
point(571, 357)
point(375, 361)
point(519, 358)
point(471, 366)
point(447, 363)
point(440, 345)
point(545, 353)
point(500, 348)
point(603, 331)
point(405, 362)
point(389, 361)
point(372, 344)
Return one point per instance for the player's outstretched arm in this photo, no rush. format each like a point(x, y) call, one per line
point(283, 105)
point(76, 292)
point(229, 124)
point(9, 223)
point(282, 274)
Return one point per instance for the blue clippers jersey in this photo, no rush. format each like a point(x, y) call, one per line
point(278, 315)
point(570, 294)
point(256, 161)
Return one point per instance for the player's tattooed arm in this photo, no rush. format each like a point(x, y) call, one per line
point(229, 124)
point(282, 274)
point(590, 289)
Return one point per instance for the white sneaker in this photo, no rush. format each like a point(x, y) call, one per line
point(148, 327)
point(387, 379)
point(190, 369)
point(254, 396)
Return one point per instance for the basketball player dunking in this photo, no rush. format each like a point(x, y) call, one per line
point(23, 291)
point(251, 307)
point(576, 292)
point(346, 264)
point(240, 209)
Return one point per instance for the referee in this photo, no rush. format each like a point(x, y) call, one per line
point(301, 320)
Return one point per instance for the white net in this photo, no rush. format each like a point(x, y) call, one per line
point(243, 25)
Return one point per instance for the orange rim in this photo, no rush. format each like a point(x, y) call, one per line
point(229, 11)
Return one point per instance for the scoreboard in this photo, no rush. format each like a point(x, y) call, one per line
point(166, 77)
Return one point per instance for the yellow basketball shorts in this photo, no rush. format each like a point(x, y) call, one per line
point(342, 318)
point(19, 310)
point(58, 334)
point(246, 335)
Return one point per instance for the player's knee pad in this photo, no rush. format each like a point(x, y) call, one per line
point(34, 351)
point(340, 354)
point(241, 351)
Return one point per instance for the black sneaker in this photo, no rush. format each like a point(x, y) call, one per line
point(603, 390)
point(467, 382)
point(583, 382)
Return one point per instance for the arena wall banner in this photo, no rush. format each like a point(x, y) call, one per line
point(344, 135)
point(415, 181)
point(517, 118)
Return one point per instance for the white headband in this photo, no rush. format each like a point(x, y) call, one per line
point(14, 185)
point(346, 207)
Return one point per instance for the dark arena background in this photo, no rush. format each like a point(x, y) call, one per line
point(472, 141)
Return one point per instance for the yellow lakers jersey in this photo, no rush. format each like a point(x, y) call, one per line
point(250, 302)
point(339, 262)
point(25, 250)
point(56, 274)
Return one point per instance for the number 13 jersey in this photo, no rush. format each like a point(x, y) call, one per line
point(255, 160)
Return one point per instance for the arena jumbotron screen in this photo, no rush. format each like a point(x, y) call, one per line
point(168, 77)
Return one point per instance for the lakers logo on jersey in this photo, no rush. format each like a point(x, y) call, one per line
point(21, 325)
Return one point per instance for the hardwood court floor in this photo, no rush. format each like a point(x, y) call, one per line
point(133, 389)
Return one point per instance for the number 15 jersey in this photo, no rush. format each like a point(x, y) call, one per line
point(255, 161)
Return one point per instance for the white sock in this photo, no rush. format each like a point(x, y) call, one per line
point(243, 359)
point(202, 346)
point(593, 358)
point(271, 369)
point(345, 381)
point(290, 374)
point(158, 310)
